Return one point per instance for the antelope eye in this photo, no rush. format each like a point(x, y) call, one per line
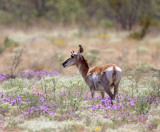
point(72, 56)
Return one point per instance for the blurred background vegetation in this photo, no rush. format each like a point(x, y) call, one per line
point(124, 32)
point(106, 13)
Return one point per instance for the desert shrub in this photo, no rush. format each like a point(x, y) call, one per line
point(125, 83)
point(7, 108)
point(75, 83)
point(43, 124)
point(5, 17)
point(94, 51)
point(37, 65)
point(141, 107)
point(110, 50)
point(15, 86)
point(106, 23)
point(129, 127)
point(153, 83)
point(16, 58)
point(142, 50)
point(13, 123)
point(1, 48)
point(104, 123)
point(62, 91)
point(142, 68)
point(143, 91)
point(72, 126)
point(95, 122)
point(9, 43)
point(145, 22)
point(103, 36)
point(155, 111)
point(67, 10)
point(158, 128)
point(129, 86)
point(33, 101)
point(58, 56)
point(125, 12)
point(77, 32)
point(92, 58)
point(153, 120)
point(38, 126)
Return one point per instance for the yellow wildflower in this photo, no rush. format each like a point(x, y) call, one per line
point(96, 129)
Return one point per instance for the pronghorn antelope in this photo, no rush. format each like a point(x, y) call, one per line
point(98, 78)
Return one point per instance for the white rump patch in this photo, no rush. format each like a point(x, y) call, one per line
point(118, 74)
point(118, 69)
point(109, 73)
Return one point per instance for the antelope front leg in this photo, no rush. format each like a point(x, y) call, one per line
point(92, 90)
point(92, 93)
point(102, 94)
point(90, 84)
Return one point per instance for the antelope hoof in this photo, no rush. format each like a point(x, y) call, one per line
point(113, 101)
point(103, 103)
point(114, 97)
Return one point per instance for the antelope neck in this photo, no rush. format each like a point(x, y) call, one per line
point(83, 67)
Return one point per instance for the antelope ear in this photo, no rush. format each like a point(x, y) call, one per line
point(80, 49)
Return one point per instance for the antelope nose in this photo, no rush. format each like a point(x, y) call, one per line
point(63, 64)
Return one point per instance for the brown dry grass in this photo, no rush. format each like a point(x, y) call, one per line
point(47, 49)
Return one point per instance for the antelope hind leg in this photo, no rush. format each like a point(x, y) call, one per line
point(115, 90)
point(106, 87)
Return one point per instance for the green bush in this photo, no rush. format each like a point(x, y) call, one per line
point(92, 58)
point(67, 10)
point(155, 120)
point(8, 108)
point(141, 107)
point(5, 17)
point(2, 49)
point(94, 51)
point(8, 43)
point(106, 23)
point(103, 13)
point(15, 86)
point(145, 22)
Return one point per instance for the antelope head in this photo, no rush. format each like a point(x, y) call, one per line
point(74, 59)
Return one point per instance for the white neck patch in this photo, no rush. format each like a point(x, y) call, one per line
point(79, 67)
